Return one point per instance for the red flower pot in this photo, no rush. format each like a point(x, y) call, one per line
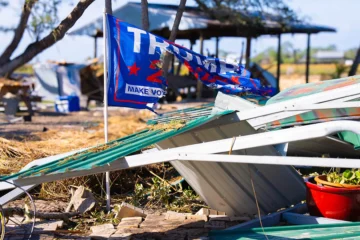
point(332, 202)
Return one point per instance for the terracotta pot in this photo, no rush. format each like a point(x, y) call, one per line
point(322, 180)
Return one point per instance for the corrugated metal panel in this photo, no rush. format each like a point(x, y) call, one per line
point(227, 186)
point(107, 153)
point(183, 114)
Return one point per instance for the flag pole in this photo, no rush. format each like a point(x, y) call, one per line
point(107, 175)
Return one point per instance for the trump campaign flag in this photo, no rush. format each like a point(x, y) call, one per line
point(135, 75)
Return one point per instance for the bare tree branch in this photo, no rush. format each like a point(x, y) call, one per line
point(145, 15)
point(177, 20)
point(57, 34)
point(19, 31)
point(173, 33)
point(172, 38)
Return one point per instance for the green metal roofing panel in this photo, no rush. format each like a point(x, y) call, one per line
point(107, 153)
point(314, 231)
point(183, 114)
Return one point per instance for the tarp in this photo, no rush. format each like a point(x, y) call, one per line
point(53, 80)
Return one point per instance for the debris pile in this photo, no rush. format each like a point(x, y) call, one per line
point(132, 223)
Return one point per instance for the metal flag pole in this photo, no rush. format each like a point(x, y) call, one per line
point(107, 175)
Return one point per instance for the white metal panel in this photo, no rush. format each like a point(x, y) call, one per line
point(227, 186)
point(317, 147)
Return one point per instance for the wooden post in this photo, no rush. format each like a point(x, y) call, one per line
point(199, 83)
point(278, 63)
point(241, 52)
point(95, 46)
point(217, 47)
point(173, 65)
point(355, 64)
point(108, 7)
point(248, 52)
point(307, 59)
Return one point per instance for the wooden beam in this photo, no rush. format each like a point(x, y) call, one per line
point(248, 52)
point(242, 52)
point(217, 47)
point(355, 64)
point(108, 7)
point(95, 46)
point(199, 83)
point(173, 65)
point(278, 63)
point(307, 59)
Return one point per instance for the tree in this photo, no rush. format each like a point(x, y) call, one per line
point(172, 38)
point(237, 11)
point(39, 17)
point(350, 53)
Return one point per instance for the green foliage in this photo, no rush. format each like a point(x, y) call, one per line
point(160, 191)
point(351, 53)
point(162, 194)
point(44, 16)
point(100, 217)
point(187, 197)
point(290, 54)
point(351, 177)
point(340, 69)
point(237, 11)
point(27, 69)
point(139, 195)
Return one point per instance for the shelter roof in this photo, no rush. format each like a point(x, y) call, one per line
point(195, 22)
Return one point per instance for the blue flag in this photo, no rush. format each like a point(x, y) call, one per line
point(135, 76)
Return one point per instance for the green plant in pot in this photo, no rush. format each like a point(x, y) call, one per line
point(349, 178)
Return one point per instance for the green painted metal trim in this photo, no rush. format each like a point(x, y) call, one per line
point(244, 233)
point(112, 151)
point(350, 137)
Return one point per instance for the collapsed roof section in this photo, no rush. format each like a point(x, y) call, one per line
point(194, 140)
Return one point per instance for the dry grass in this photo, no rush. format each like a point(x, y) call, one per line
point(173, 124)
point(16, 154)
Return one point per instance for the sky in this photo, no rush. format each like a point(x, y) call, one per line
point(340, 14)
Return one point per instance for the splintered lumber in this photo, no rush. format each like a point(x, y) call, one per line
point(8, 212)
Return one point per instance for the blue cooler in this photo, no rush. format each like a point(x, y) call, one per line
point(65, 104)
